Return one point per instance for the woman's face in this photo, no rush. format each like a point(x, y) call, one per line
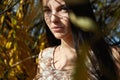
point(56, 17)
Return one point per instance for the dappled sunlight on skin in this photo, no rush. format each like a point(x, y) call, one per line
point(57, 17)
point(60, 17)
point(58, 14)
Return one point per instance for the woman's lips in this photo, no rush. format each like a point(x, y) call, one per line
point(57, 29)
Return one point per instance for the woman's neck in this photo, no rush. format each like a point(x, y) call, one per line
point(67, 42)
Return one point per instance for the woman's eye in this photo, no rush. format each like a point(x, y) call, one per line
point(64, 8)
point(46, 10)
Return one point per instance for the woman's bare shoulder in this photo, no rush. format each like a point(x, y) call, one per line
point(48, 49)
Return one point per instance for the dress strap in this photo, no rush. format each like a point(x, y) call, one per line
point(54, 57)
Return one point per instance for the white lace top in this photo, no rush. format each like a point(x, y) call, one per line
point(46, 69)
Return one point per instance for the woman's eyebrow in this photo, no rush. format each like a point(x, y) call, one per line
point(60, 6)
point(63, 5)
point(45, 8)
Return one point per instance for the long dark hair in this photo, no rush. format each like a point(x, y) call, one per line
point(99, 47)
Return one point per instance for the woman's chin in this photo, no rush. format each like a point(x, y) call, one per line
point(58, 36)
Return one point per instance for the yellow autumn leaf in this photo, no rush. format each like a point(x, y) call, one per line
point(10, 33)
point(18, 69)
point(12, 73)
point(42, 46)
point(11, 61)
point(17, 26)
point(2, 19)
point(5, 2)
point(15, 47)
point(14, 21)
point(5, 61)
point(11, 53)
point(19, 13)
point(21, 1)
point(8, 45)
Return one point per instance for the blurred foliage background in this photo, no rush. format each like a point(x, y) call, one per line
point(22, 34)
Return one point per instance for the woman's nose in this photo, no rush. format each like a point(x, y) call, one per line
point(54, 17)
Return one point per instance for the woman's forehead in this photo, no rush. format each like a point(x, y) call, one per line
point(46, 2)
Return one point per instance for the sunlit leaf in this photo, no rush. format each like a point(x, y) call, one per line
point(2, 19)
point(84, 23)
point(14, 21)
point(8, 45)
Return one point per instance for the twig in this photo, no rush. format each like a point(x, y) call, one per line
point(9, 7)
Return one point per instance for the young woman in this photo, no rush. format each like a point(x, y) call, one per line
point(64, 55)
